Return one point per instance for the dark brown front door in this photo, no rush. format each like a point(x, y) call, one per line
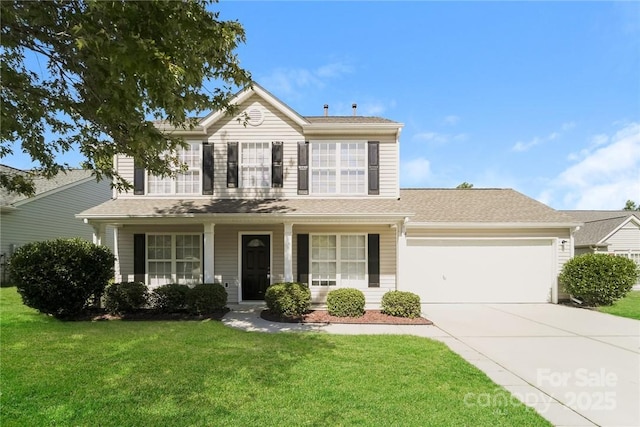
point(256, 256)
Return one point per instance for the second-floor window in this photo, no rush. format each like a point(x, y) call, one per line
point(338, 168)
point(255, 164)
point(187, 182)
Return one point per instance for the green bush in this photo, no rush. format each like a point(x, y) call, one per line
point(59, 277)
point(170, 298)
point(288, 299)
point(206, 298)
point(126, 297)
point(599, 279)
point(345, 302)
point(401, 304)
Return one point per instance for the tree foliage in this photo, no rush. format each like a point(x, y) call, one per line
point(465, 185)
point(91, 73)
point(631, 206)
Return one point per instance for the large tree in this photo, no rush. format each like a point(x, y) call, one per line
point(631, 206)
point(89, 75)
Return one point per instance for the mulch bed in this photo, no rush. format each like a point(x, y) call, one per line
point(370, 317)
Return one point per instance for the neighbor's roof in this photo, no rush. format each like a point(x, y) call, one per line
point(420, 205)
point(42, 185)
point(598, 224)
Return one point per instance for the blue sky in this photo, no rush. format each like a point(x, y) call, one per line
point(543, 97)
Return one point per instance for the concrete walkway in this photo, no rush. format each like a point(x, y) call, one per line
point(575, 367)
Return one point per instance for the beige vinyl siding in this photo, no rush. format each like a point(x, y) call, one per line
point(626, 238)
point(388, 169)
point(52, 216)
point(373, 296)
point(275, 127)
point(227, 254)
point(125, 243)
point(125, 169)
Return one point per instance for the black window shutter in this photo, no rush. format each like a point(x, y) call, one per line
point(303, 167)
point(138, 179)
point(303, 258)
point(374, 167)
point(207, 168)
point(373, 255)
point(139, 255)
point(232, 164)
point(276, 164)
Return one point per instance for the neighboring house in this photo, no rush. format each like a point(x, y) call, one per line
point(317, 200)
point(612, 232)
point(50, 213)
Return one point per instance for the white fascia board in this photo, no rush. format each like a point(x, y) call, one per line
point(245, 219)
point(632, 218)
point(487, 225)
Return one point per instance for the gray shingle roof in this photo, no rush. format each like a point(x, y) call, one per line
point(421, 205)
point(598, 224)
point(43, 185)
point(348, 119)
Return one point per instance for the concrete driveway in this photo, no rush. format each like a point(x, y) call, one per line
point(574, 366)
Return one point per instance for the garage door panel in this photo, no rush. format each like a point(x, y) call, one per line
point(478, 270)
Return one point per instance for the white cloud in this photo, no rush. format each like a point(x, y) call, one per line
point(451, 120)
point(288, 81)
point(416, 172)
point(521, 146)
point(605, 178)
point(439, 138)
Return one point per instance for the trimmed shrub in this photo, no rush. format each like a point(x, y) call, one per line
point(170, 298)
point(401, 304)
point(206, 298)
point(599, 279)
point(126, 297)
point(345, 302)
point(60, 276)
point(288, 299)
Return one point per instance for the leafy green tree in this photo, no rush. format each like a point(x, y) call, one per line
point(465, 185)
point(631, 206)
point(92, 72)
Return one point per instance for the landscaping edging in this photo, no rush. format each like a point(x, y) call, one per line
point(370, 317)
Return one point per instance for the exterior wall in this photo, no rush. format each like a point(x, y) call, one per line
point(625, 239)
point(275, 127)
point(53, 216)
point(373, 296)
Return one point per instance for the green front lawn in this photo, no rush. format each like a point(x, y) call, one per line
point(190, 373)
point(628, 306)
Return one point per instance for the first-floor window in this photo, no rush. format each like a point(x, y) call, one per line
point(174, 258)
point(338, 260)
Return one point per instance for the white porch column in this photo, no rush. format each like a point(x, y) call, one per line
point(288, 252)
point(209, 262)
point(116, 245)
point(98, 234)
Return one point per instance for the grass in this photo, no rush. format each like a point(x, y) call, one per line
point(628, 306)
point(195, 373)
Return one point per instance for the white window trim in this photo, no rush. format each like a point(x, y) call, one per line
point(174, 180)
point(338, 168)
point(268, 164)
point(365, 281)
point(174, 260)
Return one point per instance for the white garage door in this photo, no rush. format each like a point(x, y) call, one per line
point(472, 270)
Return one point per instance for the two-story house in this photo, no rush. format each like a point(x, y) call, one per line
point(272, 196)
